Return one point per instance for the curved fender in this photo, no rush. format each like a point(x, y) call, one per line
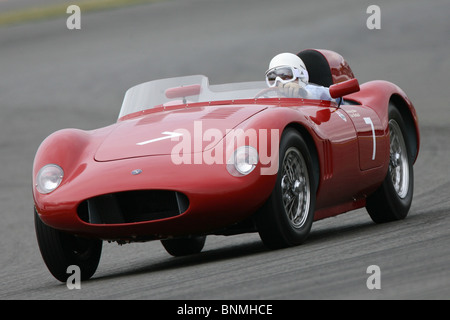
point(378, 94)
point(66, 148)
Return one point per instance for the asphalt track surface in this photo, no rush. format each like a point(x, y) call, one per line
point(54, 78)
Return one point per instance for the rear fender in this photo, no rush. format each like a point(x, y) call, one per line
point(378, 95)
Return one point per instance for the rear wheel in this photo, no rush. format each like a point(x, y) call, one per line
point(61, 250)
point(184, 246)
point(286, 218)
point(394, 197)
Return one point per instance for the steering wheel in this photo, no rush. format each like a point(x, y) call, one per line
point(265, 92)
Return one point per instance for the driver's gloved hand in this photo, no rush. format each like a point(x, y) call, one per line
point(292, 90)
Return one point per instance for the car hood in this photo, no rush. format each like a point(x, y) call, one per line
point(159, 133)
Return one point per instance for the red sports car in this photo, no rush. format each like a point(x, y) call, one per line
point(187, 159)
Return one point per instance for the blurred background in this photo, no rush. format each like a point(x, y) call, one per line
point(52, 77)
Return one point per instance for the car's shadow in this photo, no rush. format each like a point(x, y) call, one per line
point(317, 238)
point(206, 256)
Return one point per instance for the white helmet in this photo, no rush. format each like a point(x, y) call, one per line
point(289, 60)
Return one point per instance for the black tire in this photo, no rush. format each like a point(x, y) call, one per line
point(184, 246)
point(286, 218)
point(61, 250)
point(393, 198)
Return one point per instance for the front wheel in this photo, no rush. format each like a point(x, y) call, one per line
point(287, 216)
point(394, 197)
point(61, 250)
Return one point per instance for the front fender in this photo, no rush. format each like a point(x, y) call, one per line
point(67, 148)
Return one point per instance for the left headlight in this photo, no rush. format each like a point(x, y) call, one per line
point(49, 178)
point(243, 161)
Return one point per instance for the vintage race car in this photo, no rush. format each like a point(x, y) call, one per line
point(187, 159)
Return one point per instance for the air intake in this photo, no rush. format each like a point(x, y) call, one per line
point(133, 206)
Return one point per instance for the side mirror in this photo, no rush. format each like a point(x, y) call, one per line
point(341, 89)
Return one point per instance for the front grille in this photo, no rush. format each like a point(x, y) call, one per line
point(132, 206)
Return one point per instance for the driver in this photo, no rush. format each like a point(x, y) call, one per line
point(288, 72)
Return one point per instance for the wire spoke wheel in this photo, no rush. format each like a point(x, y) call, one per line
point(398, 164)
point(295, 187)
point(286, 218)
point(392, 200)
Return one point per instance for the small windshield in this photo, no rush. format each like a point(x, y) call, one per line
point(188, 90)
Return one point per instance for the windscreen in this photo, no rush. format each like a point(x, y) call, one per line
point(188, 90)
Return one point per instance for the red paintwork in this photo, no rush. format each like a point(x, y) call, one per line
point(340, 69)
point(100, 161)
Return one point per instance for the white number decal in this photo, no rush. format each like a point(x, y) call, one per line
point(368, 120)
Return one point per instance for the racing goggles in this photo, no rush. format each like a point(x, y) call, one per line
point(284, 74)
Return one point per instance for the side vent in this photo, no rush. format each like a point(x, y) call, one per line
point(328, 160)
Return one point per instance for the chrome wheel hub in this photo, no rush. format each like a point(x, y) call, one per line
point(295, 187)
point(398, 164)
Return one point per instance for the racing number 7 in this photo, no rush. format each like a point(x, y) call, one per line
point(368, 120)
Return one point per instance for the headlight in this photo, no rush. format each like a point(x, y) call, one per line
point(49, 178)
point(243, 161)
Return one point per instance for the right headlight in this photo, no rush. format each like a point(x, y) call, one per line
point(49, 178)
point(243, 161)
